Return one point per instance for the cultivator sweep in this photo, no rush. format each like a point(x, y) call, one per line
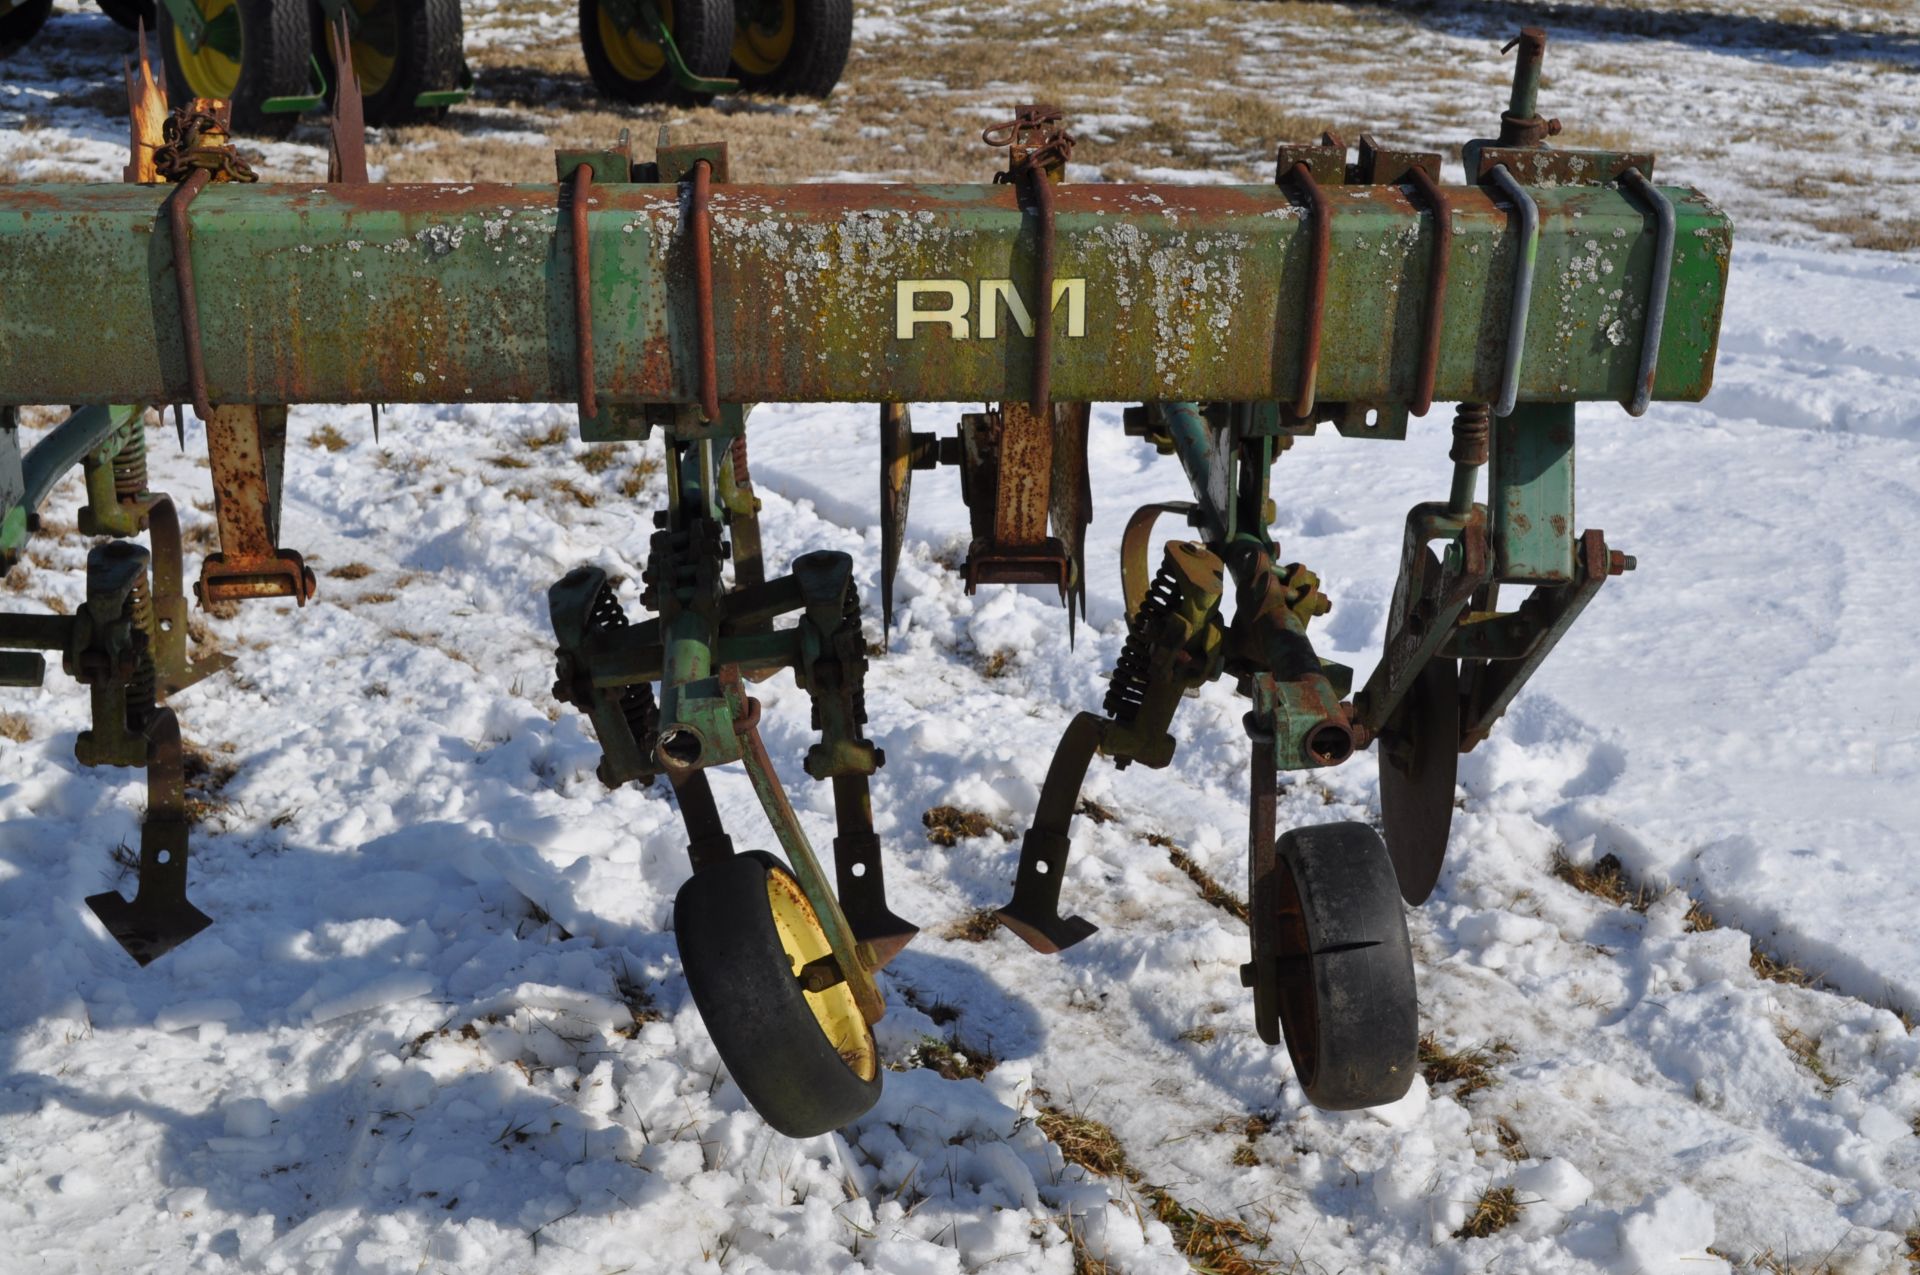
point(664, 298)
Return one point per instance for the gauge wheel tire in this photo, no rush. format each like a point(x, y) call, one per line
point(628, 67)
point(1348, 1009)
point(401, 49)
point(792, 48)
point(20, 22)
point(268, 45)
point(744, 929)
point(131, 14)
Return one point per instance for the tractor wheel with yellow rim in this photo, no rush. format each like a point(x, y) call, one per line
point(131, 14)
point(629, 65)
point(805, 1060)
point(401, 49)
point(20, 21)
point(795, 48)
point(253, 50)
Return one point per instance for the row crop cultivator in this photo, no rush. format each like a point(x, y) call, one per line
point(270, 60)
point(663, 297)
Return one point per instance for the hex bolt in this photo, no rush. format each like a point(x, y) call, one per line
point(1619, 563)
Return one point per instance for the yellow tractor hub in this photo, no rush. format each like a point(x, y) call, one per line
point(213, 71)
point(634, 55)
point(835, 1008)
point(759, 49)
point(375, 43)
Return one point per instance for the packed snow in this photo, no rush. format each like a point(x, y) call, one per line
point(439, 1023)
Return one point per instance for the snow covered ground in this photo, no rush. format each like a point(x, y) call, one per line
point(439, 1024)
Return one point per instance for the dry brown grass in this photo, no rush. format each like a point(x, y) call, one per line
point(1889, 234)
point(1607, 879)
point(951, 1057)
point(1497, 1208)
point(950, 825)
point(1469, 1069)
point(350, 571)
point(16, 727)
point(974, 927)
point(1210, 889)
point(1212, 1244)
point(328, 438)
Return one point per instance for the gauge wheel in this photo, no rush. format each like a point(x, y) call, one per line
point(797, 48)
point(130, 14)
point(254, 50)
point(401, 49)
point(20, 21)
point(1345, 990)
point(628, 65)
point(806, 1061)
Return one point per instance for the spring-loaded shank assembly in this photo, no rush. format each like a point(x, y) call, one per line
point(664, 298)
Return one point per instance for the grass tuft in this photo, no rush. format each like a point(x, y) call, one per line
point(950, 825)
point(975, 927)
point(328, 438)
point(16, 727)
point(1210, 889)
point(1497, 1208)
point(951, 1058)
point(350, 571)
point(1470, 1069)
point(1606, 879)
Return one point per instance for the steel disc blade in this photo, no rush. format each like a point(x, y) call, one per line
point(1419, 761)
point(896, 485)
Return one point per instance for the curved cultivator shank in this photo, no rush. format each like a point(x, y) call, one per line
point(664, 297)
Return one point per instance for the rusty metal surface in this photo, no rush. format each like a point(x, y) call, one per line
point(250, 563)
point(180, 235)
point(1314, 328)
point(1552, 166)
point(1188, 292)
point(346, 125)
point(578, 187)
point(1434, 319)
point(700, 228)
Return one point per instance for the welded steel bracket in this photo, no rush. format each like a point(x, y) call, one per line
point(248, 448)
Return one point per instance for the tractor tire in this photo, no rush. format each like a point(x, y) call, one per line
point(131, 14)
point(627, 66)
point(806, 1061)
point(257, 49)
point(401, 49)
point(20, 21)
point(791, 48)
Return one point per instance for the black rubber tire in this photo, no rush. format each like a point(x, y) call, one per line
point(131, 13)
point(21, 23)
point(702, 31)
point(1352, 1017)
point(425, 39)
point(751, 1002)
point(276, 43)
point(822, 39)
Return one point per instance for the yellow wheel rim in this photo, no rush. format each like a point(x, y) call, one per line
point(759, 49)
point(834, 1009)
point(375, 44)
point(215, 70)
point(634, 56)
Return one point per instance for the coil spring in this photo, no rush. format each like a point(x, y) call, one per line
point(1470, 429)
point(637, 704)
point(144, 684)
point(130, 463)
point(1127, 689)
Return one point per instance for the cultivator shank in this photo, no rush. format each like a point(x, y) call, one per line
point(662, 297)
